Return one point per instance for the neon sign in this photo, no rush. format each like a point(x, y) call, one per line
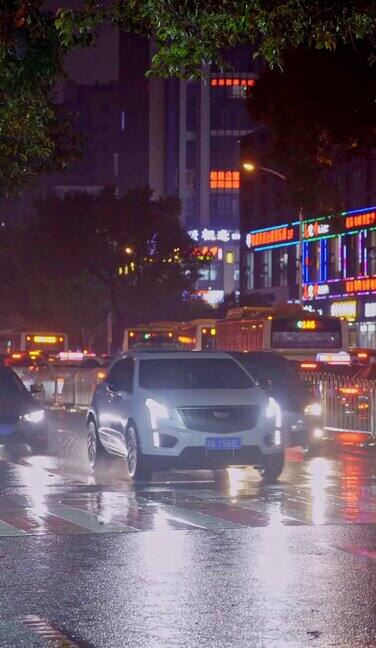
point(208, 253)
point(360, 220)
point(306, 325)
point(360, 285)
point(370, 309)
point(268, 237)
point(310, 291)
point(346, 309)
point(208, 235)
point(312, 230)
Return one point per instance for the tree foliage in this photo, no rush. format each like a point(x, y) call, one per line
point(79, 257)
point(320, 111)
point(34, 42)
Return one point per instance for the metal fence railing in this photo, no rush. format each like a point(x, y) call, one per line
point(349, 405)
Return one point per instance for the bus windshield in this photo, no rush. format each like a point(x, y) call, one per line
point(306, 334)
point(149, 338)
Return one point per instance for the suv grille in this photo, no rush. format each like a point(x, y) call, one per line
point(221, 419)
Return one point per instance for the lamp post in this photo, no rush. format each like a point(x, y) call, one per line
point(251, 167)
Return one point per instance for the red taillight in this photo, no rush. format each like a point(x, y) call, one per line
point(349, 390)
point(351, 438)
point(308, 365)
point(362, 355)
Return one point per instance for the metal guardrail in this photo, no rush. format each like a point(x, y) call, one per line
point(62, 386)
point(349, 405)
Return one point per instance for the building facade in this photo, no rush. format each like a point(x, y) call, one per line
point(328, 263)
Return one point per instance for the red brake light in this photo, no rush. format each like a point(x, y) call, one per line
point(308, 365)
point(349, 390)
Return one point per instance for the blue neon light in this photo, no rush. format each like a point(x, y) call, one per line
point(358, 211)
point(325, 269)
point(269, 229)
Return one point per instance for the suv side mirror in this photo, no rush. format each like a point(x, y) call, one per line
point(265, 383)
point(35, 389)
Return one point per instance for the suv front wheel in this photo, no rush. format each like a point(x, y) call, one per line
point(137, 469)
point(272, 467)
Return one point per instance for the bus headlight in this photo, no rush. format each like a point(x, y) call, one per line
point(273, 410)
point(157, 412)
point(313, 409)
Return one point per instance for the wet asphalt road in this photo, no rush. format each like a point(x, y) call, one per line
point(89, 560)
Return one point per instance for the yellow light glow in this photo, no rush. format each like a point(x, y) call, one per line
point(249, 166)
point(45, 339)
point(306, 325)
point(212, 331)
point(131, 334)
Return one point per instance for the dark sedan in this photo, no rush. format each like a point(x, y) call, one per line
point(22, 419)
point(302, 410)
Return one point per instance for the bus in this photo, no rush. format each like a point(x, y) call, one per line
point(298, 335)
point(32, 342)
point(156, 335)
point(197, 335)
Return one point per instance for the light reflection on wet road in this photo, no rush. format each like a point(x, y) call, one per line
point(191, 559)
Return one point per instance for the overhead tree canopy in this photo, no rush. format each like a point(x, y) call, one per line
point(34, 42)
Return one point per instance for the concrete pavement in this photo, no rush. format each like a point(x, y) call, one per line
point(87, 559)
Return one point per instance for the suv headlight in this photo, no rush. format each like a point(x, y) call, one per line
point(157, 411)
point(34, 417)
point(313, 409)
point(273, 410)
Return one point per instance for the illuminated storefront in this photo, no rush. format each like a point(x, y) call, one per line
point(337, 272)
point(218, 250)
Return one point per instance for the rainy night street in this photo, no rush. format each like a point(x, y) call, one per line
point(89, 560)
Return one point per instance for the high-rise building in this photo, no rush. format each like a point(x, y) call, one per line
point(181, 138)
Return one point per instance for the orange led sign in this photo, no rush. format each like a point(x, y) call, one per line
point(360, 220)
point(306, 325)
point(360, 285)
point(45, 339)
point(268, 237)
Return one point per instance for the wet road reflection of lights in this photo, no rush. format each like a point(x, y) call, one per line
point(236, 478)
point(319, 473)
point(36, 479)
point(352, 482)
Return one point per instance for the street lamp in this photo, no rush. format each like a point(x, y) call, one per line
point(251, 167)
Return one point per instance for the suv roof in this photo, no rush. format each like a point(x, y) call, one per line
point(146, 355)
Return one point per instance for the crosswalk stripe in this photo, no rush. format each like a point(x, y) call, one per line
point(90, 521)
point(196, 518)
point(9, 530)
point(52, 635)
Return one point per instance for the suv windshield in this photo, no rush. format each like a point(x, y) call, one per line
point(268, 366)
point(203, 373)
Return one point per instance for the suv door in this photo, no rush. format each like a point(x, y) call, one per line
point(117, 398)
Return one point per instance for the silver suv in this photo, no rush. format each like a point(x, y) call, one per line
point(165, 410)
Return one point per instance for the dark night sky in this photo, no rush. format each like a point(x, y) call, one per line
point(97, 63)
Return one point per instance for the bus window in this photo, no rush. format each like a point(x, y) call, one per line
point(138, 338)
